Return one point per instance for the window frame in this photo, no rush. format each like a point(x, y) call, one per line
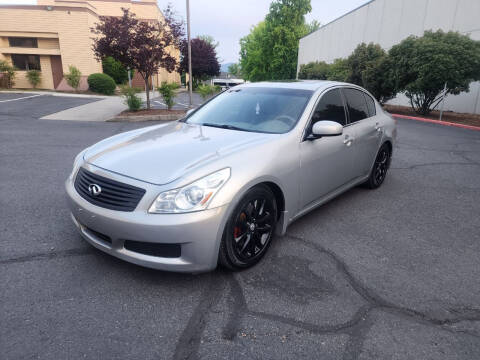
point(367, 96)
point(27, 67)
point(308, 126)
point(35, 42)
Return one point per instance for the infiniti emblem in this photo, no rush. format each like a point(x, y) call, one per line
point(94, 189)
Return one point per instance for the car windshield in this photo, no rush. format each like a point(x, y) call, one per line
point(256, 109)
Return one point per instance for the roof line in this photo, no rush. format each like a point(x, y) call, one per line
point(348, 13)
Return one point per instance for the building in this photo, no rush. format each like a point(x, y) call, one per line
point(55, 34)
point(388, 22)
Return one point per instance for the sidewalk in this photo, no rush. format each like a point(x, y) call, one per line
point(101, 110)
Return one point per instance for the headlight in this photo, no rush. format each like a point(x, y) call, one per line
point(193, 197)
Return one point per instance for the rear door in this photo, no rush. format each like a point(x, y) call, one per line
point(366, 125)
point(327, 162)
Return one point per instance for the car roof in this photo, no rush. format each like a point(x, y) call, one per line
point(312, 85)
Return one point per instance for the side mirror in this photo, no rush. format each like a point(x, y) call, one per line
point(326, 128)
point(190, 111)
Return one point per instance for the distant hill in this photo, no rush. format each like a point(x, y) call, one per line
point(224, 67)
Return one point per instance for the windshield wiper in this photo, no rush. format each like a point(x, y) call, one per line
point(224, 126)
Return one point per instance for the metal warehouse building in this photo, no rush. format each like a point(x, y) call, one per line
point(387, 22)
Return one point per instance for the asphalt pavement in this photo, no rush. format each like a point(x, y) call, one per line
point(387, 274)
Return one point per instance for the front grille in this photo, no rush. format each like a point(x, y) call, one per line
point(114, 195)
point(154, 249)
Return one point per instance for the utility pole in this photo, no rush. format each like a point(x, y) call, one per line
point(189, 55)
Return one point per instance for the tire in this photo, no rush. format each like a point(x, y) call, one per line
point(249, 230)
point(380, 168)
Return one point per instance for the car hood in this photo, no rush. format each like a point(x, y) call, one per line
point(162, 154)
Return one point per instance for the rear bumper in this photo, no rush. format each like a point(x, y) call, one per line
point(198, 234)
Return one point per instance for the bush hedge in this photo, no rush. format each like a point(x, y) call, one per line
point(115, 69)
point(101, 83)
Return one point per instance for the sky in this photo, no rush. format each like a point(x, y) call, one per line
point(229, 20)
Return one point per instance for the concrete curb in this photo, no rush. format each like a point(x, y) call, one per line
point(139, 118)
point(445, 123)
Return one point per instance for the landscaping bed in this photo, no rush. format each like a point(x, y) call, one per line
point(448, 116)
point(150, 115)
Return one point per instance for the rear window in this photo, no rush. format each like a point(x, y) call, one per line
point(357, 106)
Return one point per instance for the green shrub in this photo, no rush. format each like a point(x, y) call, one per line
point(73, 77)
point(168, 94)
point(133, 102)
point(34, 77)
point(101, 83)
point(9, 72)
point(206, 91)
point(115, 69)
point(318, 70)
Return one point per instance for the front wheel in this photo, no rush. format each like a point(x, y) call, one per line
point(380, 168)
point(250, 229)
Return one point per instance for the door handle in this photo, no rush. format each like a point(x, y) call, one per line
point(348, 140)
point(378, 127)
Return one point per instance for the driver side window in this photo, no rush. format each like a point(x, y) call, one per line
point(330, 108)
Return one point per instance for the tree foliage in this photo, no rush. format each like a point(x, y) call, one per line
point(270, 51)
point(204, 60)
point(115, 69)
point(9, 72)
point(209, 39)
point(235, 70)
point(422, 65)
point(144, 46)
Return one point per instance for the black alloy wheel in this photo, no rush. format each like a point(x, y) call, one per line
point(250, 229)
point(380, 168)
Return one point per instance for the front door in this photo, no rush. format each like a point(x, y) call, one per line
point(327, 162)
point(57, 70)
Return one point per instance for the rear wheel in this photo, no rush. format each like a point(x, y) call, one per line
point(250, 229)
point(380, 168)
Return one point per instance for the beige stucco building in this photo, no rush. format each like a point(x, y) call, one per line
point(55, 34)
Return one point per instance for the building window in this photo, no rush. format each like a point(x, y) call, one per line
point(26, 62)
point(23, 42)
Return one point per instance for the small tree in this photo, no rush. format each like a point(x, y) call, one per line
point(9, 72)
point(73, 77)
point(144, 46)
point(204, 60)
point(166, 90)
point(133, 102)
point(34, 77)
point(423, 65)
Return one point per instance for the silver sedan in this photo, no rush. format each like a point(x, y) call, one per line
point(216, 186)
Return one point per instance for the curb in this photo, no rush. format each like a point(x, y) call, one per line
point(139, 118)
point(445, 123)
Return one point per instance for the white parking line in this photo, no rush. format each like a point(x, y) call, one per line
point(23, 98)
point(158, 102)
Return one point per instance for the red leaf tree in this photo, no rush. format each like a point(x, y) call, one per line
point(144, 46)
point(204, 59)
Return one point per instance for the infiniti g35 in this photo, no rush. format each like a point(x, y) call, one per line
point(217, 185)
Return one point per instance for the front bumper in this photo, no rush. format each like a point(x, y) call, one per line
point(198, 234)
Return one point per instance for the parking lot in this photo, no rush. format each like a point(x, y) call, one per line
point(387, 274)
